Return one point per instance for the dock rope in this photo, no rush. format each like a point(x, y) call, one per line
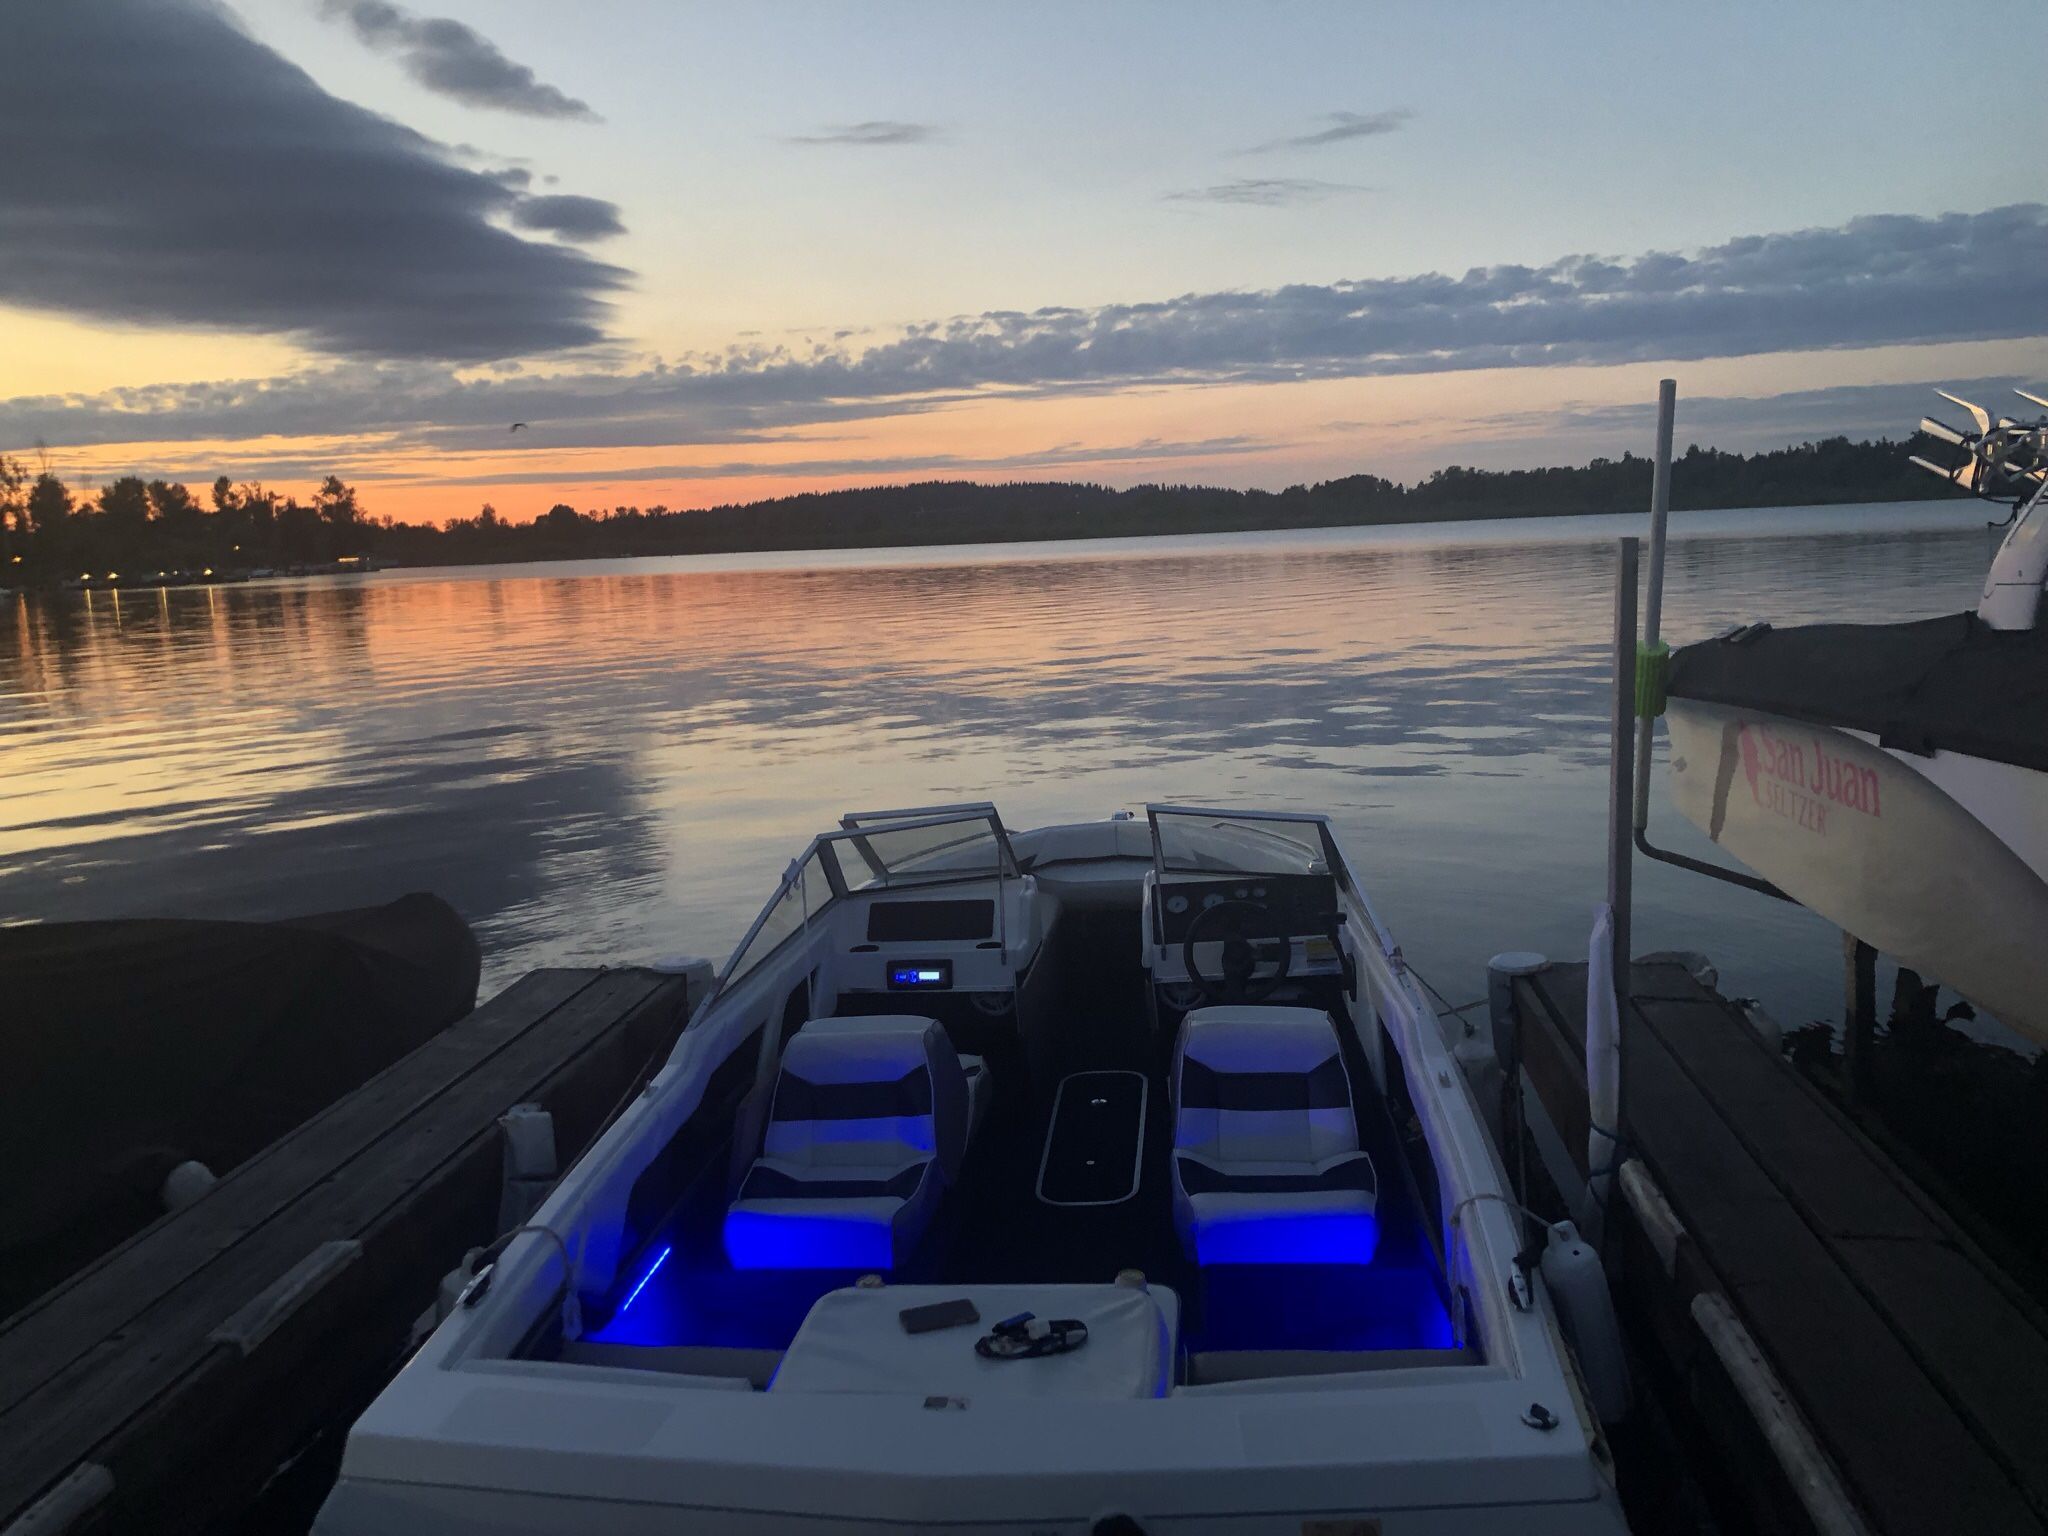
point(1431, 988)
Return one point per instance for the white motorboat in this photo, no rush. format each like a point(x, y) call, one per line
point(1894, 777)
point(1104, 1177)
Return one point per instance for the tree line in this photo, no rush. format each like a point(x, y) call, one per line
point(50, 534)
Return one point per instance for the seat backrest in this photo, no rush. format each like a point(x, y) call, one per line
point(1262, 1085)
point(868, 1093)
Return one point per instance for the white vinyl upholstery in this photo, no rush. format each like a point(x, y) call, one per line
point(869, 1122)
point(1266, 1165)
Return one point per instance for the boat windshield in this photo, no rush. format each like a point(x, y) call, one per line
point(805, 892)
point(1238, 842)
point(922, 848)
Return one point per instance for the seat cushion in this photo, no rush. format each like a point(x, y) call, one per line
point(869, 1091)
point(868, 1121)
point(794, 1217)
point(1351, 1172)
point(1267, 1167)
point(1279, 1213)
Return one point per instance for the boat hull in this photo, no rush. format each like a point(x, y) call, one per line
point(1936, 861)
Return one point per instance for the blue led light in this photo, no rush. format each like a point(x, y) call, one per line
point(660, 1259)
point(806, 1240)
point(1361, 1307)
point(1289, 1237)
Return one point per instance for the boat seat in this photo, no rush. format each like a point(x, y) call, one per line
point(1266, 1162)
point(868, 1124)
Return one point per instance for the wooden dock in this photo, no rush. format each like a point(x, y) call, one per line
point(1848, 1358)
point(160, 1389)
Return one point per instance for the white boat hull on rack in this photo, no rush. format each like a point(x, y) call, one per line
point(1938, 861)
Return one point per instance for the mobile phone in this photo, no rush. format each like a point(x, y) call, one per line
point(939, 1314)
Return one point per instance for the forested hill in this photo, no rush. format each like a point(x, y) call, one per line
point(963, 512)
point(158, 525)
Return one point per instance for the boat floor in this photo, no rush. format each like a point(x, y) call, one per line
point(993, 1224)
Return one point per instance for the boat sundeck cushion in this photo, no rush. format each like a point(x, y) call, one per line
point(869, 1121)
point(1266, 1163)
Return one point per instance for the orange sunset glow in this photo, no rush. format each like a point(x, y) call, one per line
point(694, 297)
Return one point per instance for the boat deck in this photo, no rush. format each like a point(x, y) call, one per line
point(1002, 1223)
point(1920, 1370)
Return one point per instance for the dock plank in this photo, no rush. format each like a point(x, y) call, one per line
point(1987, 1353)
point(1984, 1352)
point(417, 1167)
point(107, 1295)
point(1829, 1172)
point(1922, 1374)
point(1878, 1414)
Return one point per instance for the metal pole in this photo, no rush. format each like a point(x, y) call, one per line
point(1653, 599)
point(1621, 775)
point(1859, 1024)
point(1660, 516)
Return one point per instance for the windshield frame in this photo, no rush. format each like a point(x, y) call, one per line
point(1332, 855)
point(856, 828)
point(859, 827)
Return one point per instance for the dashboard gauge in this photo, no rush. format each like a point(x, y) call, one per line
point(1213, 899)
point(1176, 905)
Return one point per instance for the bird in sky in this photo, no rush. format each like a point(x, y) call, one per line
point(517, 425)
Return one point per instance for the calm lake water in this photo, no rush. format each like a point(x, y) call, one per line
point(610, 761)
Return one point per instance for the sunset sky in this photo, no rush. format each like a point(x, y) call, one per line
point(714, 252)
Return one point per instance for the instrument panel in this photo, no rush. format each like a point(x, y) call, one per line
point(1301, 905)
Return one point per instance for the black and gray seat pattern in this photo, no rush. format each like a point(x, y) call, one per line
point(868, 1124)
point(1266, 1165)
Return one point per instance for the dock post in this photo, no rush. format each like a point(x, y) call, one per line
point(1859, 1007)
point(1621, 770)
point(1653, 596)
point(1607, 1071)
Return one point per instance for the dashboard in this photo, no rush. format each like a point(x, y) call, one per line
point(1302, 905)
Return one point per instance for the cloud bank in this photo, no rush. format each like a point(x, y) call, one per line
point(1877, 281)
point(453, 60)
point(193, 176)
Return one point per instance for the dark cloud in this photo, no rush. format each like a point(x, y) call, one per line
point(163, 167)
point(879, 131)
point(447, 57)
point(572, 217)
point(1266, 191)
point(1342, 127)
point(1877, 281)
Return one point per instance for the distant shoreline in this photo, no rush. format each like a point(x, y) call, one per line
point(881, 545)
point(158, 533)
point(883, 542)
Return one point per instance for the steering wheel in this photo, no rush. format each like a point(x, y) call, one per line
point(1252, 935)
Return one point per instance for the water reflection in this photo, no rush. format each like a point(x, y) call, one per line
point(614, 761)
